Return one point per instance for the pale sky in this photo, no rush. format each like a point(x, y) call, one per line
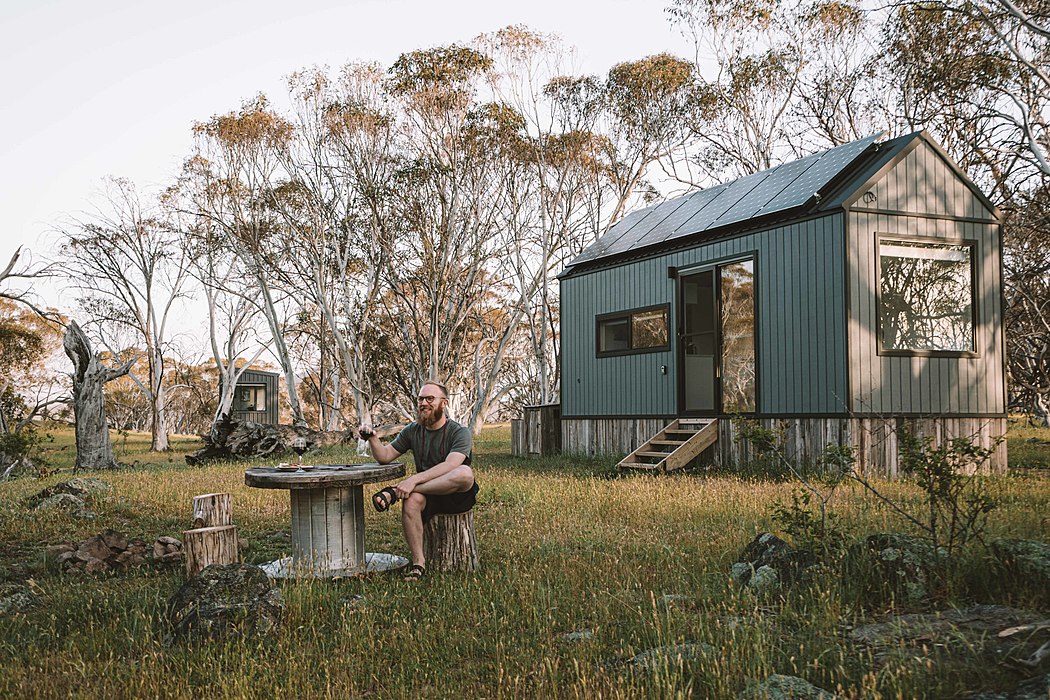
point(98, 88)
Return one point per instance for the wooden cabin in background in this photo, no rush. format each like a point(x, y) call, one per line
point(844, 296)
point(256, 397)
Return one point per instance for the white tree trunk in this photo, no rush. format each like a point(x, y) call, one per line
point(94, 450)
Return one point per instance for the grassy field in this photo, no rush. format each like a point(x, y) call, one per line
point(567, 545)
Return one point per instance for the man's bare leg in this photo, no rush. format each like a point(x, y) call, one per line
point(456, 481)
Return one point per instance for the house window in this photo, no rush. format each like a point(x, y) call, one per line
point(641, 330)
point(251, 397)
point(926, 293)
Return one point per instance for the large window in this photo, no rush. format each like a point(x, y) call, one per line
point(926, 296)
point(641, 330)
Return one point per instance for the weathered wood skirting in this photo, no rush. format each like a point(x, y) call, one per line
point(874, 440)
point(538, 432)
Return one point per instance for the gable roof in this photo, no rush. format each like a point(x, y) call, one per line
point(789, 190)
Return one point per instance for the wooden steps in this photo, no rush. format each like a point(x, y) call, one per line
point(675, 446)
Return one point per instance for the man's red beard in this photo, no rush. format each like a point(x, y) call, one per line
point(428, 420)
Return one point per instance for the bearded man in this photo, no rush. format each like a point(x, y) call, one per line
point(443, 482)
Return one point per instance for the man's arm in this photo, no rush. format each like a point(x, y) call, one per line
point(407, 486)
point(384, 454)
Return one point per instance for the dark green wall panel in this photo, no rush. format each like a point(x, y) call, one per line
point(801, 322)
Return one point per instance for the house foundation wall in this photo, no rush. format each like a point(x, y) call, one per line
point(874, 440)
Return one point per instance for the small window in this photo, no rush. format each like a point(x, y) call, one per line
point(643, 330)
point(926, 293)
point(251, 398)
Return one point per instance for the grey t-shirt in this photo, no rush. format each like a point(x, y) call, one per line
point(430, 447)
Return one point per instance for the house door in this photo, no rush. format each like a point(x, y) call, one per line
point(716, 338)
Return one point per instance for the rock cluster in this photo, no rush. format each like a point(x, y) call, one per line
point(768, 564)
point(71, 496)
point(225, 600)
point(111, 550)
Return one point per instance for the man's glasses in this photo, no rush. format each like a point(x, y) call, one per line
point(427, 399)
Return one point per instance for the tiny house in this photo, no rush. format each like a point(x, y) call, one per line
point(255, 398)
point(843, 297)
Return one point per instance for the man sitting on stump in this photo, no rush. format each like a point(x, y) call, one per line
point(443, 482)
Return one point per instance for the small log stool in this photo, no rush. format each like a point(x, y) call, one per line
point(449, 543)
point(212, 510)
point(209, 545)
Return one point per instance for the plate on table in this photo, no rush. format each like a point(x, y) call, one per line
point(285, 467)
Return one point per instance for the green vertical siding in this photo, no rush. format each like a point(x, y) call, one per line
point(800, 324)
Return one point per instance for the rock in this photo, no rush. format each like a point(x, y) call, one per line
point(54, 554)
point(769, 563)
point(94, 548)
point(17, 598)
point(114, 540)
point(990, 634)
point(1037, 688)
point(660, 658)
point(165, 540)
point(225, 601)
point(779, 687)
point(578, 635)
point(81, 487)
point(96, 566)
point(73, 505)
point(891, 566)
point(1026, 561)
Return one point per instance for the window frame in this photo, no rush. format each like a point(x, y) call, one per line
point(254, 390)
point(975, 285)
point(628, 315)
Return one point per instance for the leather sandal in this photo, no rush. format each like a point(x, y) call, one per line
point(414, 572)
point(382, 500)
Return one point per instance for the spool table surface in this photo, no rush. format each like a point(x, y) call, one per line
point(328, 518)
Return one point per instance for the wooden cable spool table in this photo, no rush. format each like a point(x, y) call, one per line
point(328, 518)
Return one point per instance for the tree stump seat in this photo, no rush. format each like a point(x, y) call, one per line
point(449, 543)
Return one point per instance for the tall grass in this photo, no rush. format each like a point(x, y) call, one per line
point(566, 545)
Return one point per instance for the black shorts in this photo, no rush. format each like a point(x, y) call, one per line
point(450, 503)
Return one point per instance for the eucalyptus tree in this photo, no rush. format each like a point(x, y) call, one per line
point(237, 156)
point(447, 198)
point(549, 146)
point(336, 208)
point(977, 74)
point(757, 65)
point(130, 271)
point(1026, 267)
point(231, 299)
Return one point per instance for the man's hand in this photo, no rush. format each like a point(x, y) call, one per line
point(407, 486)
point(364, 432)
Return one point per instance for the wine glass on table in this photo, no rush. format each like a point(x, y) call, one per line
point(299, 445)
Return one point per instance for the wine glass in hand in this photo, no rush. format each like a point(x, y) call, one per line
point(299, 445)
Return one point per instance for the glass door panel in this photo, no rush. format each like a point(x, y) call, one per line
point(738, 336)
point(699, 342)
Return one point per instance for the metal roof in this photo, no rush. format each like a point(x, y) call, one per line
point(775, 191)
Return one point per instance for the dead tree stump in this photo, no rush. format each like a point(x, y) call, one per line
point(209, 545)
point(212, 510)
point(449, 543)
